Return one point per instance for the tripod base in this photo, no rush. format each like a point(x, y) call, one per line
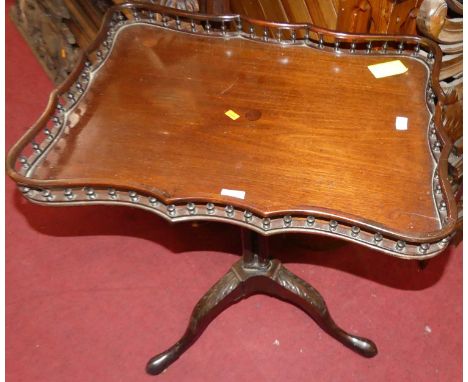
point(251, 275)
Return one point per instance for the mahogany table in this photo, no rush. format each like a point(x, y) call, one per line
point(276, 128)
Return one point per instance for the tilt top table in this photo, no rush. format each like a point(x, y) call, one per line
point(276, 128)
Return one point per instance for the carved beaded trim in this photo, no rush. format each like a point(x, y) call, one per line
point(236, 26)
point(210, 211)
point(228, 27)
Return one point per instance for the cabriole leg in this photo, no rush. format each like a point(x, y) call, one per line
point(221, 295)
point(287, 286)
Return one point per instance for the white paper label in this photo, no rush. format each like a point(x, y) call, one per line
point(234, 193)
point(401, 123)
point(389, 68)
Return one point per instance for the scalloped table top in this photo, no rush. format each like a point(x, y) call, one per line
point(315, 134)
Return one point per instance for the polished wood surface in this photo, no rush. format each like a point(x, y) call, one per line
point(154, 117)
point(315, 135)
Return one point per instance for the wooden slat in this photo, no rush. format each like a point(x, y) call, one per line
point(354, 16)
point(323, 13)
point(80, 18)
point(452, 65)
point(94, 13)
point(297, 11)
point(273, 10)
point(452, 48)
point(452, 32)
point(403, 18)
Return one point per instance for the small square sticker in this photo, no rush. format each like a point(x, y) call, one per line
point(232, 114)
point(401, 123)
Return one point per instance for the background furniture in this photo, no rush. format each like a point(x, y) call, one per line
point(53, 25)
point(59, 30)
point(442, 22)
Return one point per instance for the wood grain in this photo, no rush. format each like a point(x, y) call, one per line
point(154, 117)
